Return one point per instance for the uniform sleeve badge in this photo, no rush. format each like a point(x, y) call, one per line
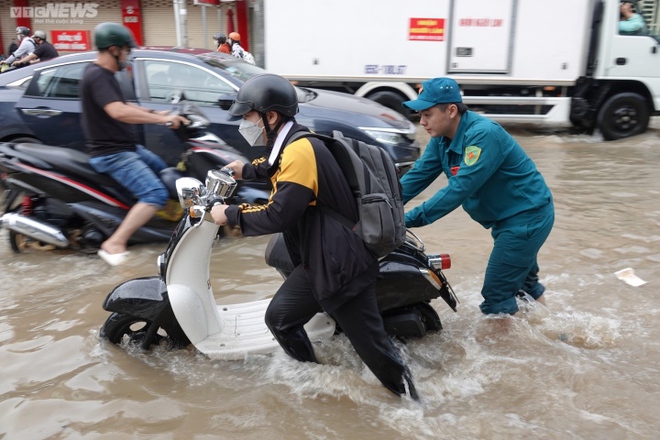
point(472, 154)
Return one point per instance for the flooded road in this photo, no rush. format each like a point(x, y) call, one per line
point(587, 366)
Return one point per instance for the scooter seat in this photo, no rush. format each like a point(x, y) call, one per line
point(66, 160)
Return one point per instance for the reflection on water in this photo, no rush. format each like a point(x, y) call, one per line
point(584, 367)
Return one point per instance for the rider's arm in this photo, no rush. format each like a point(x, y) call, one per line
point(133, 114)
point(25, 48)
point(27, 59)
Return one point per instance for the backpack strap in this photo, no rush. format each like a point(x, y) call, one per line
point(331, 212)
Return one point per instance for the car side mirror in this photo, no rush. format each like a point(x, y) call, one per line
point(225, 102)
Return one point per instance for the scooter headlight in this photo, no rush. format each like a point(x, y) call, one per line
point(190, 192)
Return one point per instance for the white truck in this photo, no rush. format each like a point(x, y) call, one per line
point(536, 61)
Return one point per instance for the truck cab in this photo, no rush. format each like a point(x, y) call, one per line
point(620, 89)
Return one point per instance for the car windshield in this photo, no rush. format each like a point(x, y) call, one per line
point(244, 71)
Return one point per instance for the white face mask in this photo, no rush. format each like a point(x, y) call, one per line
point(252, 133)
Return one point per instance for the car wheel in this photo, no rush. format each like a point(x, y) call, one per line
point(391, 100)
point(623, 115)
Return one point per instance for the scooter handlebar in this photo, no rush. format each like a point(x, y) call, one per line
point(214, 201)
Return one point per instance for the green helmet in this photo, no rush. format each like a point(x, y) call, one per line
point(112, 34)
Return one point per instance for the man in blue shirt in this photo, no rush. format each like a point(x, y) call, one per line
point(494, 180)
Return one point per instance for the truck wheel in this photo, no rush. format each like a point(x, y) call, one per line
point(391, 100)
point(623, 115)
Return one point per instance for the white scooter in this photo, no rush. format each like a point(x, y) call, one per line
point(179, 306)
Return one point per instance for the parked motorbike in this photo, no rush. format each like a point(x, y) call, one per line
point(55, 199)
point(178, 307)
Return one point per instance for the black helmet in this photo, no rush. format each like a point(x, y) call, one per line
point(263, 93)
point(22, 30)
point(220, 37)
point(112, 34)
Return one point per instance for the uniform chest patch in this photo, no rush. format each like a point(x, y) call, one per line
point(472, 154)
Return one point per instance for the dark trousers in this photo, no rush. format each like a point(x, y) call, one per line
point(294, 305)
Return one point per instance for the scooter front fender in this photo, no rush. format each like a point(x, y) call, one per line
point(190, 312)
point(140, 297)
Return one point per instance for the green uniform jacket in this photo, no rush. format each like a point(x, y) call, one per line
point(488, 173)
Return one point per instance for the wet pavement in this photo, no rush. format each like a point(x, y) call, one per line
point(584, 367)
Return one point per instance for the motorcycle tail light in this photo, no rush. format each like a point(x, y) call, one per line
point(440, 261)
point(26, 206)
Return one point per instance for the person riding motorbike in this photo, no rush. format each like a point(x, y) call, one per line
point(234, 42)
point(111, 141)
point(26, 46)
point(221, 43)
point(334, 272)
point(44, 51)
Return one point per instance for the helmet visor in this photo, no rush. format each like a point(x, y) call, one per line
point(239, 108)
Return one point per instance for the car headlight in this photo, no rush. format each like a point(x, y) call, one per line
point(386, 136)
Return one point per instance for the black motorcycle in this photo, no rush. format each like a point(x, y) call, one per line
point(55, 199)
point(408, 280)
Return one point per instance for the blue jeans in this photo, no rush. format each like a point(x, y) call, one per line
point(137, 171)
point(512, 265)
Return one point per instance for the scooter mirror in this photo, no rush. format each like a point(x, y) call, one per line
point(190, 192)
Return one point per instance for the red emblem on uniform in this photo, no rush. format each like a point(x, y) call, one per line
point(454, 170)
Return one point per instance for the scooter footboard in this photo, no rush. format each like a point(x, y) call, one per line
point(244, 331)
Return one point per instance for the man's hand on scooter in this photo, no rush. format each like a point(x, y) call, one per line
point(237, 167)
point(174, 121)
point(218, 214)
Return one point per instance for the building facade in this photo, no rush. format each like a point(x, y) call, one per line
point(69, 25)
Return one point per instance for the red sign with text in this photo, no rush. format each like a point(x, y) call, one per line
point(71, 41)
point(427, 29)
point(131, 16)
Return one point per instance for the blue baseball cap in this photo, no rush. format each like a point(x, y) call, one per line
point(436, 91)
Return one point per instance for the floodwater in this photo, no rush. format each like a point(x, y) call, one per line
point(587, 366)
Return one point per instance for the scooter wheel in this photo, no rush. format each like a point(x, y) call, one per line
point(430, 317)
point(126, 329)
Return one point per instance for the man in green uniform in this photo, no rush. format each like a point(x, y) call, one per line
point(494, 180)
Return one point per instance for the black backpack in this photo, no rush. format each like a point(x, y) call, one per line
point(373, 179)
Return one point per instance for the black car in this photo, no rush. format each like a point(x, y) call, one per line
point(40, 103)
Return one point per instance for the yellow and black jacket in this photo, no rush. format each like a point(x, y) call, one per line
point(304, 176)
